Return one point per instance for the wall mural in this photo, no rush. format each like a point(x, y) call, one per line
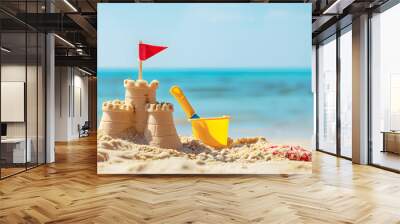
point(204, 89)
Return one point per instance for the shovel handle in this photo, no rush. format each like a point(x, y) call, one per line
point(180, 97)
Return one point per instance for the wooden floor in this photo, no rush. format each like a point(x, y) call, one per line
point(70, 191)
point(5, 172)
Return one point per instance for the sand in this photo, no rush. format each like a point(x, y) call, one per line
point(129, 154)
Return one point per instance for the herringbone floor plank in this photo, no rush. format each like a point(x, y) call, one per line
point(70, 191)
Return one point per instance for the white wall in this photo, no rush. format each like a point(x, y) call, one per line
point(81, 82)
point(71, 102)
point(61, 103)
point(385, 69)
point(34, 125)
point(16, 72)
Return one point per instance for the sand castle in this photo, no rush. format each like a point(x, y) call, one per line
point(142, 115)
point(160, 129)
point(137, 94)
point(117, 118)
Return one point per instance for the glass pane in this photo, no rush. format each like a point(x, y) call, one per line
point(13, 87)
point(31, 87)
point(327, 96)
point(346, 94)
point(31, 98)
point(41, 98)
point(386, 89)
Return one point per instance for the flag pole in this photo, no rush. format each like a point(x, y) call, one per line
point(140, 75)
point(140, 70)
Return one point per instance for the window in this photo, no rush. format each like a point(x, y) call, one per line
point(23, 77)
point(346, 93)
point(385, 89)
point(327, 96)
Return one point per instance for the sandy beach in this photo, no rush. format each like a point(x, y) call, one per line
point(130, 155)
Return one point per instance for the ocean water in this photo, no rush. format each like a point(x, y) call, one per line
point(275, 103)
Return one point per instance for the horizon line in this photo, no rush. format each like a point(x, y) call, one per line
point(136, 68)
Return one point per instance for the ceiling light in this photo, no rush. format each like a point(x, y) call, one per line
point(5, 50)
point(84, 71)
point(70, 5)
point(65, 41)
point(79, 51)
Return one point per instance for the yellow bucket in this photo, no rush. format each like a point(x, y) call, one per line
point(211, 131)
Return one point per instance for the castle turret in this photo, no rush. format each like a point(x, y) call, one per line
point(117, 118)
point(160, 130)
point(137, 94)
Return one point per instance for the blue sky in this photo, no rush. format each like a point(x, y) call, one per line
point(206, 35)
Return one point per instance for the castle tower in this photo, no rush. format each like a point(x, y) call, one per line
point(137, 94)
point(117, 118)
point(160, 130)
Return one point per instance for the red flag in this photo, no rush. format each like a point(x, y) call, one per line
point(146, 50)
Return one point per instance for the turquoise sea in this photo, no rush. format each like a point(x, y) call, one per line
point(275, 103)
